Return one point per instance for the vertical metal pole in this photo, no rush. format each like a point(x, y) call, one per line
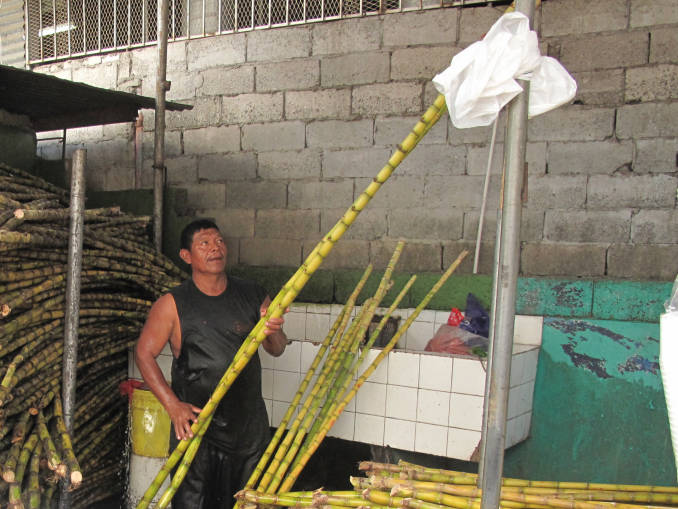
point(507, 265)
point(70, 356)
point(138, 150)
point(161, 87)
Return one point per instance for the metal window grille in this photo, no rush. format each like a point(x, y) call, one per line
point(62, 29)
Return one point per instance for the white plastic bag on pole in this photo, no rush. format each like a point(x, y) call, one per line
point(482, 78)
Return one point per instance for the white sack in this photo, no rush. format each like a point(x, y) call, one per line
point(482, 79)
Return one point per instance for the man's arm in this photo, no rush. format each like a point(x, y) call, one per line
point(162, 325)
point(276, 340)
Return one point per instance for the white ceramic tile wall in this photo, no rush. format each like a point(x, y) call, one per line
point(414, 400)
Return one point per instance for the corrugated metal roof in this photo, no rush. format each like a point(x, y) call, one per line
point(53, 103)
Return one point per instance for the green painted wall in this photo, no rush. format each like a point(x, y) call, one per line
point(599, 410)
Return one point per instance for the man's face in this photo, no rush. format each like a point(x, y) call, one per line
point(207, 253)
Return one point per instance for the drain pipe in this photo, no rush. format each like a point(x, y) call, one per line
point(507, 263)
point(72, 318)
point(161, 88)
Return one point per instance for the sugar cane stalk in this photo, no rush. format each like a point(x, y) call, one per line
point(315, 441)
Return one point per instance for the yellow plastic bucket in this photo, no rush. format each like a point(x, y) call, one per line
point(150, 426)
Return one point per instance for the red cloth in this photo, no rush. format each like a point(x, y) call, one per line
point(127, 387)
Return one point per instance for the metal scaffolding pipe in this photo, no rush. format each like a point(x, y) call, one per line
point(72, 316)
point(507, 264)
point(161, 88)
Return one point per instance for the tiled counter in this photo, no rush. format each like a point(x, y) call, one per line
point(415, 400)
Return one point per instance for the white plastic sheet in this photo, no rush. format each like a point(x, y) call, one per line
point(482, 78)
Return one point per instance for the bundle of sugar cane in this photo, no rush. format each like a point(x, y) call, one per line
point(415, 486)
point(284, 298)
point(336, 384)
point(121, 275)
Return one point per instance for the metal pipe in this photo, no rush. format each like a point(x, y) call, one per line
point(138, 150)
point(72, 315)
point(507, 264)
point(161, 88)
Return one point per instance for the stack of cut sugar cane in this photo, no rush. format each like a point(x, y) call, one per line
point(121, 276)
point(414, 486)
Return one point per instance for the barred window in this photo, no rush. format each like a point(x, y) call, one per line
point(62, 29)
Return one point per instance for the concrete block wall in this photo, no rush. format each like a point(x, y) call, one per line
point(290, 124)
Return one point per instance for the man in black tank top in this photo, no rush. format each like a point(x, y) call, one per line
point(205, 320)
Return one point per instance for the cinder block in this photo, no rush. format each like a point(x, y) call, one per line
point(463, 191)
point(589, 157)
point(362, 162)
point(235, 79)
point(104, 75)
point(416, 256)
point(607, 51)
point(475, 135)
point(435, 160)
point(354, 69)
point(655, 227)
point(654, 83)
point(256, 195)
point(642, 191)
point(572, 123)
point(531, 225)
point(144, 61)
point(583, 16)
point(556, 191)
point(273, 136)
point(475, 22)
point(587, 226)
point(451, 250)
point(656, 156)
point(647, 120)
point(393, 130)
point(348, 36)
point(347, 254)
point(210, 140)
point(172, 143)
point(279, 44)
point(287, 224)
point(181, 170)
point(387, 99)
point(600, 88)
point(421, 27)
point(232, 223)
point(420, 62)
point(642, 262)
point(250, 108)
point(205, 195)
point(270, 252)
point(289, 164)
point(219, 51)
point(535, 157)
point(118, 178)
point(338, 133)
point(560, 259)
point(318, 195)
point(664, 45)
point(227, 167)
point(108, 131)
point(288, 75)
point(406, 192)
point(101, 154)
point(184, 86)
point(371, 223)
point(206, 111)
point(317, 104)
point(426, 224)
point(653, 12)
